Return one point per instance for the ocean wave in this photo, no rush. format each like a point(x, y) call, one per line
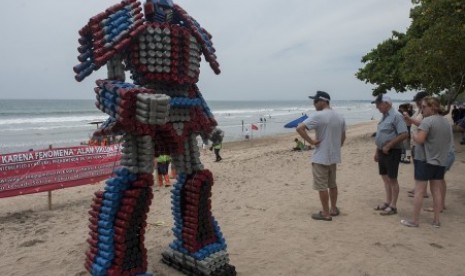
point(41, 113)
point(61, 119)
point(33, 128)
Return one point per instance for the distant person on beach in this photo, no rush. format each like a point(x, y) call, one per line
point(455, 113)
point(461, 125)
point(217, 143)
point(204, 147)
point(217, 148)
point(299, 145)
point(247, 134)
point(434, 138)
point(163, 164)
point(391, 131)
point(330, 134)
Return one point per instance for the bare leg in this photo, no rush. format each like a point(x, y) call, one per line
point(443, 188)
point(437, 198)
point(333, 198)
point(324, 198)
point(420, 186)
point(394, 192)
point(387, 188)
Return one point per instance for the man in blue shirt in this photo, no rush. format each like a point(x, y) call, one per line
point(391, 131)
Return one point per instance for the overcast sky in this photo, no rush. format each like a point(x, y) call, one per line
point(267, 49)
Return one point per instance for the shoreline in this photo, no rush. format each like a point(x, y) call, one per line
point(262, 199)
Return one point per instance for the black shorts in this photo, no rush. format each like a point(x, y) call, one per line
point(426, 172)
point(162, 168)
point(388, 164)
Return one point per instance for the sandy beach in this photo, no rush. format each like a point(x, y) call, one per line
point(263, 199)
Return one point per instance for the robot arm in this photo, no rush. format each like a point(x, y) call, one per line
point(106, 35)
point(202, 36)
point(115, 68)
point(134, 109)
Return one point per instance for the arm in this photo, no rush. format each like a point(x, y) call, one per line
point(411, 120)
point(420, 136)
point(401, 137)
point(343, 136)
point(400, 128)
point(93, 50)
point(302, 131)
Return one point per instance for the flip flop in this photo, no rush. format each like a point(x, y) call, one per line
point(381, 207)
point(389, 211)
point(335, 214)
point(319, 216)
point(408, 223)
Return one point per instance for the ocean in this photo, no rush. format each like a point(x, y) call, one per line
point(37, 124)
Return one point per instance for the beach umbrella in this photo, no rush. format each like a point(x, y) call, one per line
point(296, 122)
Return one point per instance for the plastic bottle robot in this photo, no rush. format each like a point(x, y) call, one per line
point(160, 112)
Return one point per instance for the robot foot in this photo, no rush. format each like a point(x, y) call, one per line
point(215, 265)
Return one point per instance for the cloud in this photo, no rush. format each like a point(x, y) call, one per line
point(266, 49)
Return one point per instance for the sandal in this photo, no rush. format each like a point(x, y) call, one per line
point(319, 216)
point(408, 223)
point(381, 207)
point(436, 224)
point(389, 211)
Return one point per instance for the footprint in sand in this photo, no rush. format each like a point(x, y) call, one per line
point(31, 243)
point(435, 245)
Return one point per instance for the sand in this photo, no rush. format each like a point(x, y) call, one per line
point(263, 199)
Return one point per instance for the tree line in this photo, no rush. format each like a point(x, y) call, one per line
point(429, 56)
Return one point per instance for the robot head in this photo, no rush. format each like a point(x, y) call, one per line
point(166, 3)
point(158, 10)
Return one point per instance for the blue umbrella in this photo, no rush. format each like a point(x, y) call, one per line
point(296, 122)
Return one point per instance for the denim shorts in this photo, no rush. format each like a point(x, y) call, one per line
point(450, 160)
point(426, 172)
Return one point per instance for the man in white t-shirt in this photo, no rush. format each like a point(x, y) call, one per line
point(330, 133)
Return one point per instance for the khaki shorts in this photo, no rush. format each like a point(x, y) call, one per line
point(324, 176)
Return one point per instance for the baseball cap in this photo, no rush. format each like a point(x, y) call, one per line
point(419, 96)
point(382, 98)
point(321, 95)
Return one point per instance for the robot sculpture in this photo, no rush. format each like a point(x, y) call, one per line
point(160, 112)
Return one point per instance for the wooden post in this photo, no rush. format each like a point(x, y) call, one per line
point(50, 192)
point(50, 200)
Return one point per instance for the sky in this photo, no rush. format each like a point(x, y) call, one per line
point(267, 49)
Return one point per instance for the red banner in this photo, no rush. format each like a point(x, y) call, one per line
point(51, 169)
